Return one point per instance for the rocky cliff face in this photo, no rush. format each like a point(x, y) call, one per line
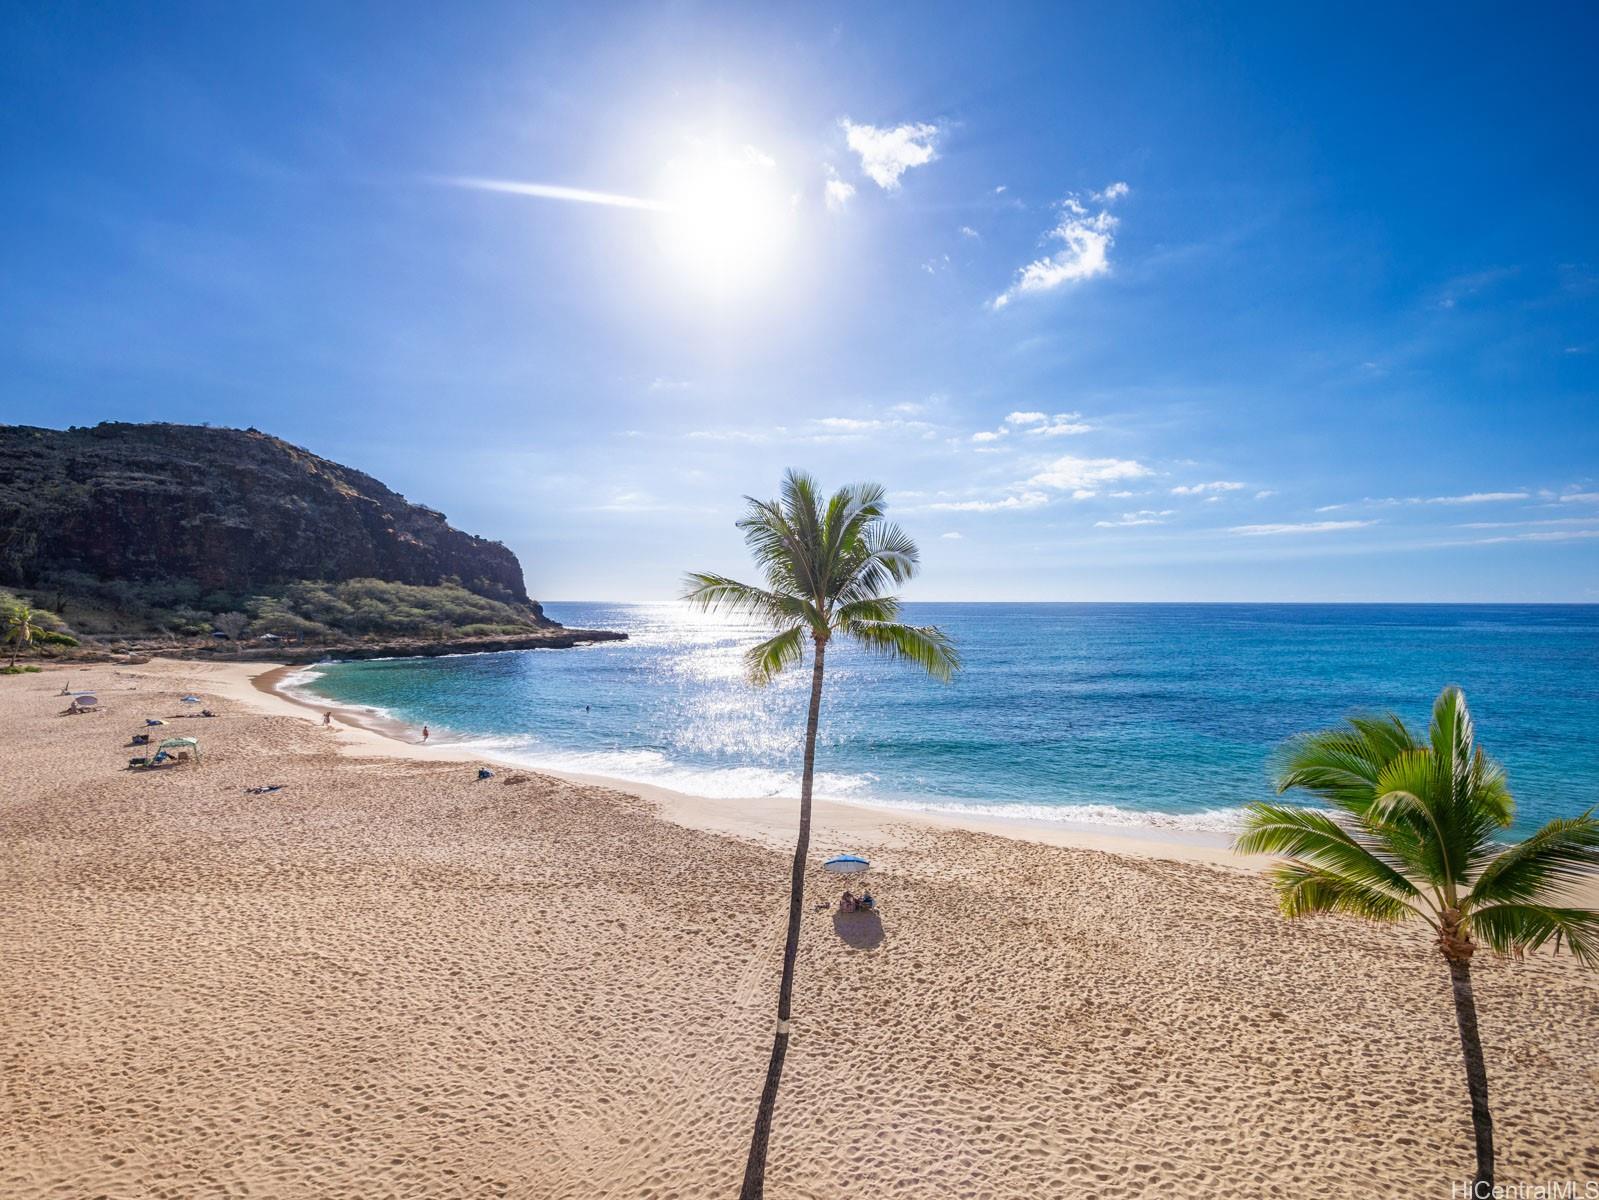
point(233, 509)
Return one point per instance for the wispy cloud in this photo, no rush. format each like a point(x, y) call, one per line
point(1202, 489)
point(968, 231)
point(551, 191)
point(1004, 503)
point(1036, 424)
point(662, 384)
point(1391, 501)
point(1145, 516)
point(952, 536)
point(1477, 498)
point(1580, 497)
point(1086, 239)
point(1302, 527)
point(886, 154)
point(1542, 535)
point(1083, 477)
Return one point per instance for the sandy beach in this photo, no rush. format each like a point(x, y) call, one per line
point(392, 979)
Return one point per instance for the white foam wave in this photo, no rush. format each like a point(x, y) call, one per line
point(1209, 820)
point(653, 767)
point(297, 686)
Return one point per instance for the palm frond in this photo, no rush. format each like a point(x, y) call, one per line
point(871, 608)
point(1341, 766)
point(1563, 852)
point(926, 646)
point(1304, 890)
point(775, 655)
point(718, 593)
point(1305, 833)
point(1516, 928)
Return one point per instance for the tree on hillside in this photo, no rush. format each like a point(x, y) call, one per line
point(23, 627)
point(1415, 832)
point(827, 564)
point(231, 623)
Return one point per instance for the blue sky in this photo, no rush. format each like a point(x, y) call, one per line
point(1120, 302)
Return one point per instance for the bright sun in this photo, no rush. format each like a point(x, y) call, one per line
point(726, 219)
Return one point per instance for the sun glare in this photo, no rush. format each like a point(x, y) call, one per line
point(726, 218)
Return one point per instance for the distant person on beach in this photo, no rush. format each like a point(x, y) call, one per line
point(424, 735)
point(847, 904)
point(327, 718)
point(866, 903)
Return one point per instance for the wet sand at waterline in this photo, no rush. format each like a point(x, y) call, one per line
point(391, 979)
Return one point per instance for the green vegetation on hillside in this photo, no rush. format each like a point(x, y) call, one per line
point(352, 610)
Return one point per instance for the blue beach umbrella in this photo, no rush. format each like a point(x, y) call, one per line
point(846, 864)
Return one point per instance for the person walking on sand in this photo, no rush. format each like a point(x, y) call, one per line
point(424, 735)
point(327, 718)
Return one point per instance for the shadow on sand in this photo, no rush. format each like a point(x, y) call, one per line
point(861, 930)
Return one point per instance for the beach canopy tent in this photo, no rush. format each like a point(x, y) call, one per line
point(846, 864)
point(191, 699)
point(177, 743)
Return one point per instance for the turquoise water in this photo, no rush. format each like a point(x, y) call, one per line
point(1124, 714)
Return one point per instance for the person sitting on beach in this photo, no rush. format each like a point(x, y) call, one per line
point(866, 903)
point(847, 904)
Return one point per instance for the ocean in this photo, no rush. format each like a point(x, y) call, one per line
point(1150, 715)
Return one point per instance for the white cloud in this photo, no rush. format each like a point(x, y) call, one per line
point(989, 435)
point(1145, 516)
point(953, 536)
point(662, 384)
point(1303, 527)
point(886, 154)
point(1020, 500)
point(1040, 424)
point(1580, 497)
point(1543, 535)
point(1062, 425)
point(968, 231)
point(1087, 239)
point(1476, 498)
point(849, 424)
point(1467, 498)
point(1264, 493)
point(1083, 476)
point(836, 191)
point(1200, 489)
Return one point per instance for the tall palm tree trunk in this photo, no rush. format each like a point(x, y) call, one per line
point(755, 1169)
point(1482, 1121)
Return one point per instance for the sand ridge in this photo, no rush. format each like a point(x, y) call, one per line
point(392, 979)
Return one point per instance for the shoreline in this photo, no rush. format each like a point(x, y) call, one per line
point(766, 819)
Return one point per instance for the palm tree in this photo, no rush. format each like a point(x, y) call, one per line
point(827, 565)
point(22, 627)
point(1415, 833)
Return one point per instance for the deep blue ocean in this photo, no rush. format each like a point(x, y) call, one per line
point(1123, 714)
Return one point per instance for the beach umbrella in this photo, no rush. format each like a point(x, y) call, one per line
point(191, 699)
point(85, 700)
point(846, 864)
